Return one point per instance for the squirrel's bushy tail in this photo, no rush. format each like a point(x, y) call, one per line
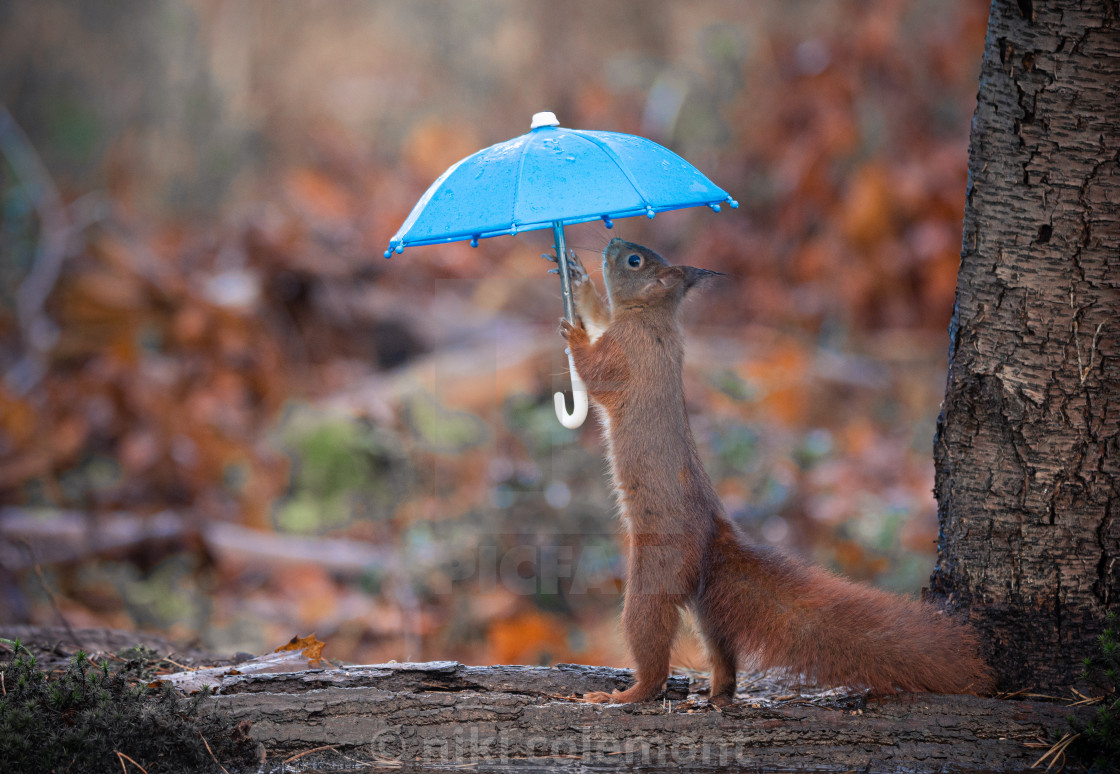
point(787, 614)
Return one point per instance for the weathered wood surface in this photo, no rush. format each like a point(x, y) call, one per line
point(444, 714)
point(447, 716)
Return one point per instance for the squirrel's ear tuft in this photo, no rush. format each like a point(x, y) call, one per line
point(683, 277)
point(691, 275)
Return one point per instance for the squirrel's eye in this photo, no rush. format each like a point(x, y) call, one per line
point(634, 260)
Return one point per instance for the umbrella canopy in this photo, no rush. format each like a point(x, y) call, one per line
point(548, 178)
point(552, 175)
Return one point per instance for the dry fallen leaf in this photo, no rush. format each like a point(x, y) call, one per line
point(311, 647)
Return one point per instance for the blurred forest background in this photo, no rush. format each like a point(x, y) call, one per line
point(225, 417)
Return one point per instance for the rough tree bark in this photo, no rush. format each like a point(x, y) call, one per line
point(1028, 444)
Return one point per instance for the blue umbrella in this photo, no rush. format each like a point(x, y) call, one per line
point(547, 178)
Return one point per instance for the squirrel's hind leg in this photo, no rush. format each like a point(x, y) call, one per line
point(650, 621)
point(723, 658)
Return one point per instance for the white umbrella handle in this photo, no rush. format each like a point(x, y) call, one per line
point(579, 400)
point(579, 389)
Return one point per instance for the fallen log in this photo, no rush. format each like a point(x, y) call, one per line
point(444, 715)
point(28, 537)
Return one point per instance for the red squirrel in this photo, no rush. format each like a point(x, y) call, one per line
point(752, 603)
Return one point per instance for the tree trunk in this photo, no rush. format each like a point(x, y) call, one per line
point(1028, 444)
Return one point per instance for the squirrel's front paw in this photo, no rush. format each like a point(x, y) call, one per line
point(576, 272)
point(573, 333)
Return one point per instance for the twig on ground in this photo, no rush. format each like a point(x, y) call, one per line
point(1020, 692)
point(50, 594)
point(326, 747)
point(1057, 752)
point(1088, 700)
point(184, 667)
point(220, 766)
point(122, 758)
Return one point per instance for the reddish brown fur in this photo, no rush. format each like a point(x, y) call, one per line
point(751, 602)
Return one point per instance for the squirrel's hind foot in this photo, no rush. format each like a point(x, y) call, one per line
point(635, 693)
point(721, 700)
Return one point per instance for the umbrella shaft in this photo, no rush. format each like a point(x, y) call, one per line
point(565, 277)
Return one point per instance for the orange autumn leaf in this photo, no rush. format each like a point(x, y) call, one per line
point(528, 638)
point(855, 560)
point(858, 437)
point(312, 648)
point(317, 195)
point(68, 437)
point(18, 420)
point(779, 378)
point(867, 209)
point(433, 145)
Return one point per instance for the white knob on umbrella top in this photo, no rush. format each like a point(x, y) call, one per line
point(547, 118)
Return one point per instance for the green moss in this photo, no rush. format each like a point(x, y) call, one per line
point(342, 469)
point(1101, 736)
point(78, 719)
